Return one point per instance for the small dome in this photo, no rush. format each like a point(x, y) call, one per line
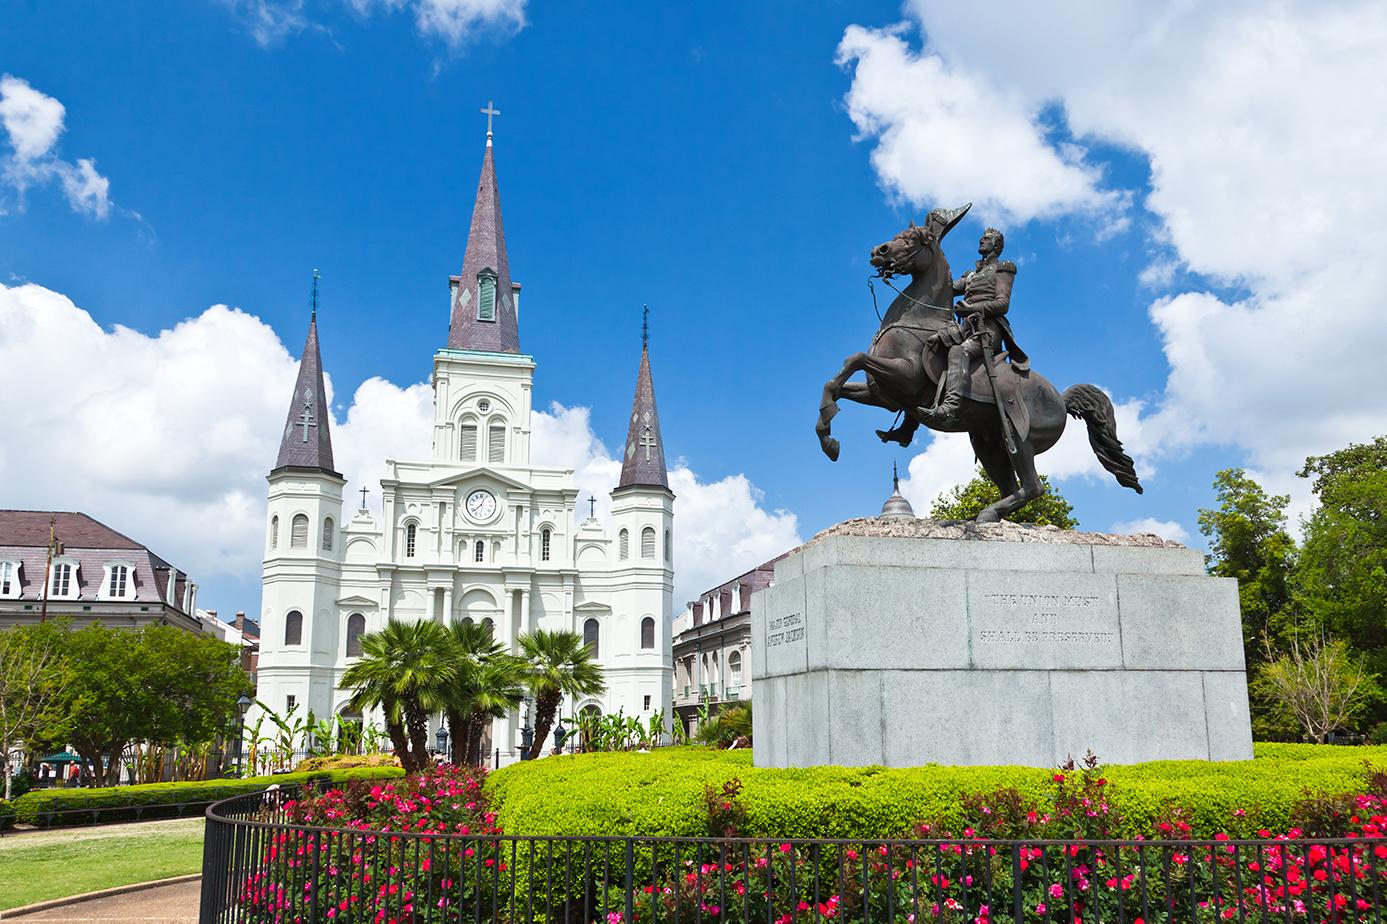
point(896, 506)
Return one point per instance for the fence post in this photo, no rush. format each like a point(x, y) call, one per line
point(1017, 893)
point(630, 881)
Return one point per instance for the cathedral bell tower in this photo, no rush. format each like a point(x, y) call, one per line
point(302, 549)
point(643, 585)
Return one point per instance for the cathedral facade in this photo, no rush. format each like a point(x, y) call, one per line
point(479, 531)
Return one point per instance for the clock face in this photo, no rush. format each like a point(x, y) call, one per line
point(481, 505)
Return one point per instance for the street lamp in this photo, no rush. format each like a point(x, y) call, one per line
point(441, 739)
point(527, 734)
point(243, 703)
point(560, 733)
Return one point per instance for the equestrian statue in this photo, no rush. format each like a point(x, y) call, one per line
point(957, 368)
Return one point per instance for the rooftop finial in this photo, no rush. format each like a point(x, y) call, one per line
point(489, 111)
point(645, 326)
point(315, 294)
point(895, 479)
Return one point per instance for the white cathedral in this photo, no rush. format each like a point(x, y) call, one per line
point(477, 532)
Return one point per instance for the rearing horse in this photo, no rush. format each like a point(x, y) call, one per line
point(905, 364)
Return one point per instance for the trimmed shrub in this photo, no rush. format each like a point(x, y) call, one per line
point(71, 806)
point(662, 793)
point(7, 814)
point(346, 762)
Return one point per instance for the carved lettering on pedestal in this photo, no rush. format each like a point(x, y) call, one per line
point(1025, 628)
point(783, 630)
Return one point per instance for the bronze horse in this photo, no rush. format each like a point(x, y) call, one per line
point(905, 363)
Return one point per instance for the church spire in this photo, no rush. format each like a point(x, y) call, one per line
point(483, 313)
point(644, 460)
point(307, 444)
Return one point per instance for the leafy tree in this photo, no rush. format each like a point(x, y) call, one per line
point(1320, 683)
point(559, 665)
point(490, 684)
point(966, 501)
point(1342, 570)
point(405, 670)
point(1248, 541)
point(30, 658)
point(158, 685)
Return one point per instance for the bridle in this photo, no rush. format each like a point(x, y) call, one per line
point(924, 239)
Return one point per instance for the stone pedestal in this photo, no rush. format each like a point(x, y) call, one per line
point(910, 642)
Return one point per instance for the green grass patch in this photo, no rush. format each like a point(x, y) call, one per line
point(661, 793)
point(37, 867)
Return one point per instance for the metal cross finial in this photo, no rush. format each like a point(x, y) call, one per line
point(645, 326)
point(489, 111)
point(363, 498)
point(315, 294)
point(592, 506)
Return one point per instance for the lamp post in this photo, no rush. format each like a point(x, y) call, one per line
point(527, 734)
point(560, 733)
point(440, 738)
point(243, 703)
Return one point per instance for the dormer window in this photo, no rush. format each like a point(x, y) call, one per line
point(9, 579)
point(486, 292)
point(62, 582)
point(120, 581)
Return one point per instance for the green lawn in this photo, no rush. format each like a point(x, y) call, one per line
point(39, 866)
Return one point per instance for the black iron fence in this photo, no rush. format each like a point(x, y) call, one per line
point(257, 867)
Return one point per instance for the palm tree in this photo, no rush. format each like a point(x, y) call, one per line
point(490, 683)
point(559, 664)
point(404, 670)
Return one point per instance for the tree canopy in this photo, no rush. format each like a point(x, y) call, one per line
point(966, 501)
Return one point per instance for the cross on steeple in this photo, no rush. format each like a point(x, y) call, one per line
point(645, 326)
point(489, 111)
point(363, 497)
point(592, 506)
point(306, 420)
point(647, 442)
point(315, 294)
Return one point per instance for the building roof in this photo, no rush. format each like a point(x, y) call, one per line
point(29, 528)
point(486, 252)
point(643, 462)
point(307, 440)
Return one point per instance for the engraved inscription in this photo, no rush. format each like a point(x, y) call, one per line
point(1044, 621)
point(784, 630)
point(1040, 618)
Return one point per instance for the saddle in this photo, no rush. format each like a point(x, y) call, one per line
point(976, 386)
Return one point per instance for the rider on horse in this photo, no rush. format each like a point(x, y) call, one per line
point(986, 291)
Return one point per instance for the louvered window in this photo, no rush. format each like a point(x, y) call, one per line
point(647, 632)
point(623, 545)
point(293, 628)
point(356, 625)
point(327, 534)
point(590, 630)
point(274, 532)
point(648, 542)
point(486, 303)
point(496, 443)
point(669, 550)
point(298, 532)
point(467, 450)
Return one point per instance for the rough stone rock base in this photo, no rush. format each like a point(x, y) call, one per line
point(987, 648)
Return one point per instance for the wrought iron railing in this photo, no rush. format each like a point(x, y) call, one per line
point(258, 867)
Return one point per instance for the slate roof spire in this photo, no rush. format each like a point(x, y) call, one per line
point(483, 313)
point(307, 442)
point(644, 460)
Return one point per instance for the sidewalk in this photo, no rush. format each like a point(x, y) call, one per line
point(177, 902)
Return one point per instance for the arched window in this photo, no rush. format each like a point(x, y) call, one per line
point(734, 669)
point(298, 532)
point(623, 545)
point(293, 628)
point(411, 531)
point(479, 551)
point(356, 624)
point(120, 581)
point(669, 547)
point(648, 632)
point(545, 537)
point(274, 532)
point(467, 441)
point(62, 584)
point(496, 441)
point(590, 629)
point(486, 290)
point(327, 534)
point(489, 626)
point(648, 542)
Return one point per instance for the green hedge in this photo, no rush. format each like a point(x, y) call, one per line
point(6, 814)
point(661, 793)
point(41, 806)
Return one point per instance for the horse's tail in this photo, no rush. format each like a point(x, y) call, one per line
point(1089, 403)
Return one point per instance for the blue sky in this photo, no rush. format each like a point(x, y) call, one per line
point(713, 160)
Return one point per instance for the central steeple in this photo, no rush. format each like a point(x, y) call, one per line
point(484, 313)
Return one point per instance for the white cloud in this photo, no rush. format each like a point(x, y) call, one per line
point(1166, 529)
point(454, 22)
point(169, 438)
point(1257, 123)
point(33, 121)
